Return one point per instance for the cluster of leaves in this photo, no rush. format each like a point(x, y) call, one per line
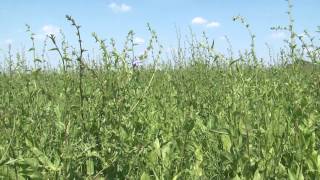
point(195, 122)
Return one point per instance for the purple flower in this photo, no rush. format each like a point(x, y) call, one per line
point(137, 63)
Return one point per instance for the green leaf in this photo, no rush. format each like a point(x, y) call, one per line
point(37, 60)
point(296, 176)
point(145, 176)
point(236, 178)
point(318, 163)
point(7, 172)
point(54, 49)
point(67, 59)
point(59, 124)
point(226, 142)
point(152, 157)
point(198, 154)
point(165, 152)
point(291, 175)
point(41, 156)
point(257, 175)
point(90, 167)
point(300, 175)
point(176, 176)
point(36, 71)
point(34, 175)
point(29, 162)
point(156, 145)
point(3, 161)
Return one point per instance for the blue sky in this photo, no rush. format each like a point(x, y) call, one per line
point(114, 18)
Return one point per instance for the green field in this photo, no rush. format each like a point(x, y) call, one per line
point(200, 115)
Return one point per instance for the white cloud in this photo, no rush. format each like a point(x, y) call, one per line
point(50, 29)
point(278, 35)
point(199, 20)
point(202, 21)
point(119, 8)
point(138, 40)
point(213, 24)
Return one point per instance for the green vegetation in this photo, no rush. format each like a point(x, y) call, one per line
point(201, 115)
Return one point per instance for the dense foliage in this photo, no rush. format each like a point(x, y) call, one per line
point(203, 116)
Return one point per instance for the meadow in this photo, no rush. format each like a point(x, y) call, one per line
point(198, 115)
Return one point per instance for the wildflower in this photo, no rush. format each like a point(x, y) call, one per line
point(136, 63)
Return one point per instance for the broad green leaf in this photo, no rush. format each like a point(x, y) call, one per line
point(153, 157)
point(145, 176)
point(90, 167)
point(176, 176)
point(257, 175)
point(156, 145)
point(236, 178)
point(226, 142)
point(41, 156)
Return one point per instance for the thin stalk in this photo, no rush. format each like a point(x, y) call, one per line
point(80, 62)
